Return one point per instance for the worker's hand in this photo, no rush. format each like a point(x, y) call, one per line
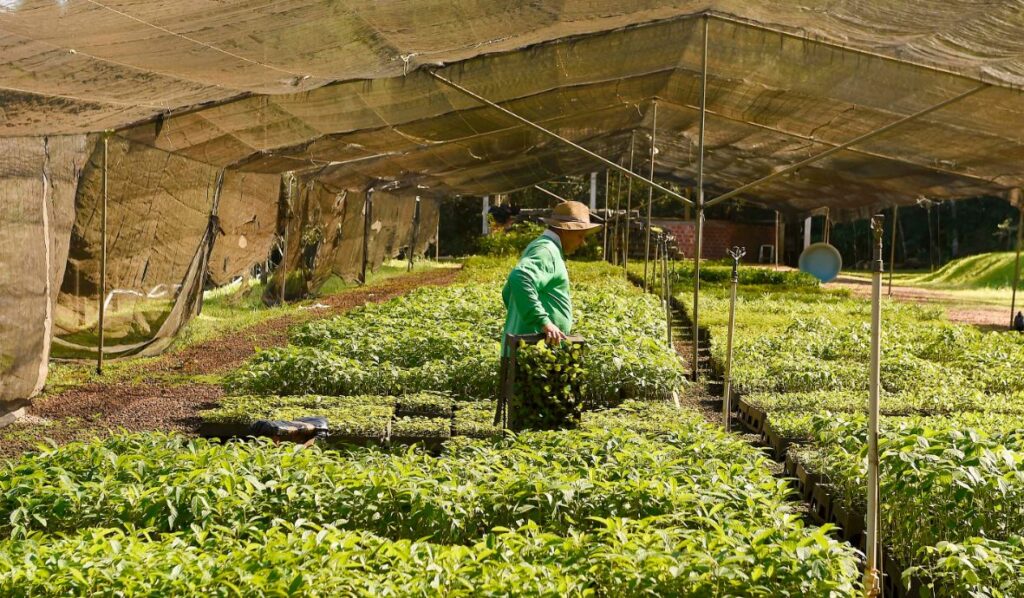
point(553, 334)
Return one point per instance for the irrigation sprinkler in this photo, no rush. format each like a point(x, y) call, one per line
point(735, 253)
point(872, 585)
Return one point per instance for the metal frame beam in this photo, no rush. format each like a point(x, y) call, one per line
point(556, 136)
point(844, 145)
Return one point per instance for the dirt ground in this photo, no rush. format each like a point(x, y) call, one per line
point(103, 408)
point(988, 317)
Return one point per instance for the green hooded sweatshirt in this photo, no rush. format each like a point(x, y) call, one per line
point(537, 290)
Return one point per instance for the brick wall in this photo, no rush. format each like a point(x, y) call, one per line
point(719, 235)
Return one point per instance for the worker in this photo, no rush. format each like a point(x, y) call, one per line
point(536, 294)
point(1018, 322)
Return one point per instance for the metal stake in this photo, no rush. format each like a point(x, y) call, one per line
point(629, 208)
point(699, 223)
point(892, 243)
point(667, 285)
point(735, 253)
point(859, 139)
point(872, 585)
point(415, 233)
point(650, 190)
point(778, 242)
point(1016, 267)
point(103, 259)
point(605, 255)
point(615, 233)
point(367, 218)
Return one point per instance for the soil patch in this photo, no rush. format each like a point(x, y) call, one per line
point(229, 351)
point(101, 409)
point(986, 317)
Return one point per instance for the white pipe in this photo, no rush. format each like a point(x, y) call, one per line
point(808, 224)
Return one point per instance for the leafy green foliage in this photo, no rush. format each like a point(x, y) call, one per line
point(549, 388)
point(399, 347)
point(643, 499)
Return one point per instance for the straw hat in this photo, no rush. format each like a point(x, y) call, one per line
point(571, 215)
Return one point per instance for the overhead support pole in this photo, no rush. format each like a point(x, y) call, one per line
point(1016, 194)
point(778, 240)
point(650, 190)
point(892, 245)
point(698, 224)
point(415, 233)
point(859, 139)
point(593, 191)
point(103, 260)
point(666, 282)
point(558, 137)
point(367, 219)
point(629, 208)
point(604, 245)
point(551, 193)
point(872, 575)
point(736, 253)
point(484, 210)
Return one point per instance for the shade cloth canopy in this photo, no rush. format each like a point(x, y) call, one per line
point(243, 129)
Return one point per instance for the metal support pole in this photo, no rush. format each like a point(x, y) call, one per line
point(367, 218)
point(484, 210)
point(872, 579)
point(735, 253)
point(593, 191)
point(437, 237)
point(558, 137)
point(778, 241)
point(650, 190)
point(103, 260)
point(615, 233)
point(283, 266)
point(629, 208)
point(415, 234)
point(892, 245)
point(1016, 267)
point(859, 139)
point(667, 285)
point(828, 226)
point(605, 255)
point(699, 223)
point(654, 267)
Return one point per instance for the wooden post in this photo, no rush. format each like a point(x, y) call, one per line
point(103, 259)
